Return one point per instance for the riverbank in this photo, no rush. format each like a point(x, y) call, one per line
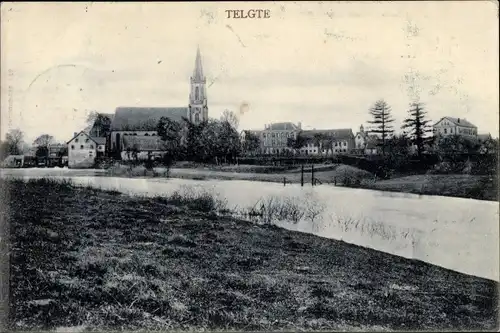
point(453, 185)
point(93, 259)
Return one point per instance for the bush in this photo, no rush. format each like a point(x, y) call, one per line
point(202, 200)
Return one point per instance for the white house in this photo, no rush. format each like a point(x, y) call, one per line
point(82, 150)
point(447, 126)
point(328, 141)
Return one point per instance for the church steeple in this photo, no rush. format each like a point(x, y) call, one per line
point(198, 68)
point(198, 110)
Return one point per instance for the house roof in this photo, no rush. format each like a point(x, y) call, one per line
point(458, 122)
point(86, 134)
point(339, 134)
point(363, 134)
point(142, 142)
point(284, 126)
point(144, 119)
point(99, 140)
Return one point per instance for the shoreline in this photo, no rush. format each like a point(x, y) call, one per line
point(455, 186)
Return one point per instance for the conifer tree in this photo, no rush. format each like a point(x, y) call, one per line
point(417, 126)
point(382, 122)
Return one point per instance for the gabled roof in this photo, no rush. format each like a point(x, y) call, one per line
point(339, 134)
point(144, 119)
point(86, 134)
point(284, 126)
point(458, 122)
point(99, 140)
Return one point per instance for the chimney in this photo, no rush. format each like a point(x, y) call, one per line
point(75, 133)
point(458, 120)
point(299, 125)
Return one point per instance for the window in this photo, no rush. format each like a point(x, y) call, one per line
point(72, 147)
point(196, 93)
point(86, 140)
point(76, 140)
point(81, 146)
point(91, 146)
point(154, 134)
point(197, 118)
point(146, 134)
point(135, 134)
point(445, 131)
point(90, 153)
point(345, 143)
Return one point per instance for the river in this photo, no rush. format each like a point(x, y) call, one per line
point(455, 233)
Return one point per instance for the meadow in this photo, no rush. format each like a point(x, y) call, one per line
point(88, 259)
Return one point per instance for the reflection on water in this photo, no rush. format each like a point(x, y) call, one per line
point(456, 233)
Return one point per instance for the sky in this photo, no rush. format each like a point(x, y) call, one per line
point(322, 64)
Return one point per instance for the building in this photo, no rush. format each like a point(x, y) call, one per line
point(142, 122)
point(275, 137)
point(328, 141)
point(82, 150)
point(365, 143)
point(447, 126)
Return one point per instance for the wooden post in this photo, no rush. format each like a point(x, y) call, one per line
point(312, 174)
point(302, 176)
point(284, 181)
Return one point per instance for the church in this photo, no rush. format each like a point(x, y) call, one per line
point(135, 127)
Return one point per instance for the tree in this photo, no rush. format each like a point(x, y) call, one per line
point(231, 118)
point(43, 142)
point(195, 147)
point(14, 141)
point(98, 124)
point(318, 139)
point(417, 126)
point(382, 120)
point(229, 141)
point(170, 133)
point(251, 142)
point(297, 143)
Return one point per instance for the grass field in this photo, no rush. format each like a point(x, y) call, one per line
point(100, 260)
point(465, 186)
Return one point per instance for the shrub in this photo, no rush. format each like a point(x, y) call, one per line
point(201, 200)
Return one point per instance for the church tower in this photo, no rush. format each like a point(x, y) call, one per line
point(198, 109)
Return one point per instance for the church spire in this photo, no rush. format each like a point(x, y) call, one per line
point(198, 68)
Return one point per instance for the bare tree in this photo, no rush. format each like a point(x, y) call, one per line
point(14, 141)
point(231, 118)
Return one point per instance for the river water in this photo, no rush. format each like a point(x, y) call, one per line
point(455, 233)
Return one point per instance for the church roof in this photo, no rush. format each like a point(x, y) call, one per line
point(198, 68)
point(144, 118)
